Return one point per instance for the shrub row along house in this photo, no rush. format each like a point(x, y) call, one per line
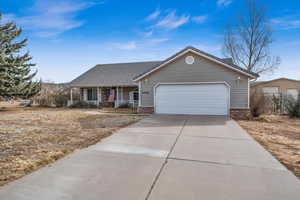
point(189, 82)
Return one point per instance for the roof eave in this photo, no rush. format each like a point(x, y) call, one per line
point(282, 78)
point(86, 86)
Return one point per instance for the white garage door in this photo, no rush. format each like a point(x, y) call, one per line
point(201, 99)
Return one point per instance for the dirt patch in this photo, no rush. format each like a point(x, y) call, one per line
point(32, 138)
point(280, 135)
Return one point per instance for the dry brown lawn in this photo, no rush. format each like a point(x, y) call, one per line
point(34, 137)
point(280, 135)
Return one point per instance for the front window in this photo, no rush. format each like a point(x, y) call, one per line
point(92, 94)
point(135, 96)
point(293, 93)
point(271, 91)
point(81, 93)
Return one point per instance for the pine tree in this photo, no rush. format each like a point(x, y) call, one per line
point(16, 76)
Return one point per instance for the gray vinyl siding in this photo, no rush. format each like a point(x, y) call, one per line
point(203, 70)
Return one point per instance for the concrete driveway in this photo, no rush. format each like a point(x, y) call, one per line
point(164, 157)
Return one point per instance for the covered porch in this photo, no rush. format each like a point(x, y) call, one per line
point(115, 97)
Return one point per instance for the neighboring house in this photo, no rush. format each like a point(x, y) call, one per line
point(189, 82)
point(283, 86)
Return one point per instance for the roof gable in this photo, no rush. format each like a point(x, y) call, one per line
point(220, 61)
point(286, 79)
point(274, 80)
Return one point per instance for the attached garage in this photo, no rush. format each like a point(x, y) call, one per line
point(196, 83)
point(197, 99)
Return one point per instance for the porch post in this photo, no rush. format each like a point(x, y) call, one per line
point(85, 94)
point(100, 94)
point(117, 98)
point(71, 96)
point(122, 95)
point(140, 94)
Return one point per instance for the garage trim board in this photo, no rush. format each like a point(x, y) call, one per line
point(226, 97)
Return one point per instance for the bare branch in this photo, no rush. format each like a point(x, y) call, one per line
point(248, 42)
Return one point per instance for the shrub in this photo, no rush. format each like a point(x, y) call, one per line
point(292, 106)
point(124, 105)
point(257, 104)
point(61, 98)
point(83, 104)
point(278, 103)
point(54, 95)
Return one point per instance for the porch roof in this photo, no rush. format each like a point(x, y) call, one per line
point(108, 75)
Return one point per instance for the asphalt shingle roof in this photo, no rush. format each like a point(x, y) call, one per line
point(123, 74)
point(119, 74)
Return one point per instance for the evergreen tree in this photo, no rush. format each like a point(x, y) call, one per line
point(15, 67)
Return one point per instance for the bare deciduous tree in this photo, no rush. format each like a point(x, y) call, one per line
point(248, 41)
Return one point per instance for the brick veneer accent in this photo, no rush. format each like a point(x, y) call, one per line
point(234, 113)
point(240, 113)
point(145, 109)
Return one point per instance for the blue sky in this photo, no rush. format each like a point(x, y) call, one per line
point(67, 37)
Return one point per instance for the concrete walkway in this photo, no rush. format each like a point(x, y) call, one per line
point(164, 157)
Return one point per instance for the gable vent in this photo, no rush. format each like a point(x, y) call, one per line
point(189, 60)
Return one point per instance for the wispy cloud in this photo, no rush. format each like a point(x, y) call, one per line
point(199, 19)
point(223, 2)
point(125, 46)
point(153, 15)
point(164, 21)
point(158, 40)
point(172, 21)
point(146, 33)
point(288, 22)
point(51, 18)
point(138, 44)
